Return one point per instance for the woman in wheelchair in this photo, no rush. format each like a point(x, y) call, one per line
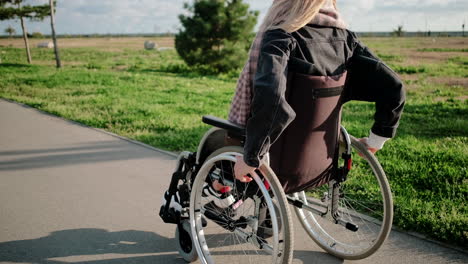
point(283, 136)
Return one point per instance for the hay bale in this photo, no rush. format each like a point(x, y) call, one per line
point(46, 45)
point(150, 45)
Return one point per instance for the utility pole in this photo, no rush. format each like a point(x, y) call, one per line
point(52, 24)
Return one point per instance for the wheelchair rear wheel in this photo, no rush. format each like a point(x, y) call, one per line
point(255, 227)
point(364, 214)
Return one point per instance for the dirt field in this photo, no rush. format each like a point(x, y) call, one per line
point(408, 48)
point(99, 43)
point(415, 51)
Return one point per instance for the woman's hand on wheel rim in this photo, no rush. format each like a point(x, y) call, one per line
point(364, 141)
point(241, 170)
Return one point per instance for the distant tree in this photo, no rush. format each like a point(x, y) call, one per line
point(10, 31)
point(216, 33)
point(14, 9)
point(36, 35)
point(399, 32)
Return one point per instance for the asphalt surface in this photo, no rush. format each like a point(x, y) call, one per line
point(73, 194)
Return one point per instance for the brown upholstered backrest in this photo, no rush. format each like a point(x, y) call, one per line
point(305, 155)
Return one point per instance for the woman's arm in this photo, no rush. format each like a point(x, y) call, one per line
point(371, 80)
point(270, 113)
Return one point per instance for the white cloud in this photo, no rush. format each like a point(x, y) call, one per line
point(148, 16)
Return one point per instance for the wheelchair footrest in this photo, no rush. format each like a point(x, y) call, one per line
point(171, 208)
point(170, 216)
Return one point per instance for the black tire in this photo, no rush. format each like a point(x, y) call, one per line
point(184, 242)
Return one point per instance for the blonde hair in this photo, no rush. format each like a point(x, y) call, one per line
point(291, 15)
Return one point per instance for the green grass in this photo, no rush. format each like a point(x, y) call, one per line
point(442, 50)
point(155, 98)
point(160, 108)
point(409, 69)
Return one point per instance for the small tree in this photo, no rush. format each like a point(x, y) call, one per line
point(216, 33)
point(11, 9)
point(399, 32)
point(10, 31)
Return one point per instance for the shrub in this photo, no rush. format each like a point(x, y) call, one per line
point(36, 35)
point(216, 33)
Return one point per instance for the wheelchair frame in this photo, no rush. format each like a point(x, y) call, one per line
point(189, 164)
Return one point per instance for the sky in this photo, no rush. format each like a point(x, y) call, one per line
point(161, 16)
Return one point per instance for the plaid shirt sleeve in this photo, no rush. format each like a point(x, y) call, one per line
point(240, 106)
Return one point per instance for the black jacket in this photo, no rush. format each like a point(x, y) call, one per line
point(319, 51)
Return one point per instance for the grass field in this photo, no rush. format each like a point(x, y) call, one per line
point(155, 98)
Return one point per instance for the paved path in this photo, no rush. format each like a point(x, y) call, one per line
point(72, 194)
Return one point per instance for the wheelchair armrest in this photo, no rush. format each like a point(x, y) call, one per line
point(224, 124)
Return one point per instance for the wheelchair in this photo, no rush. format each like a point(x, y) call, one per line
point(349, 217)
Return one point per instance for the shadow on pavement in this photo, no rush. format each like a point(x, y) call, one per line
point(86, 242)
point(316, 257)
point(81, 244)
point(72, 155)
point(91, 146)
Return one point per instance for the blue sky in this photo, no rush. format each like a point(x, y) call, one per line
point(151, 16)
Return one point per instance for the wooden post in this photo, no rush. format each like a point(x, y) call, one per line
point(25, 37)
point(52, 24)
